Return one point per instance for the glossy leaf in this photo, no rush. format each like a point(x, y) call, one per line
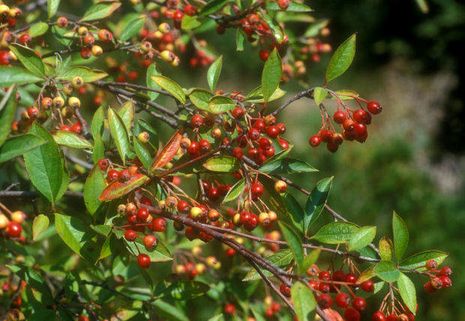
point(336, 233)
point(220, 104)
point(214, 72)
point(222, 164)
point(19, 145)
point(295, 244)
point(131, 27)
point(400, 235)
point(319, 95)
point(126, 112)
point(29, 59)
point(303, 300)
point(151, 72)
point(271, 75)
point(100, 10)
point(190, 22)
point(38, 29)
point(385, 249)
point(169, 312)
point(72, 140)
point(8, 106)
point(235, 191)
point(287, 166)
point(212, 6)
point(256, 95)
point(316, 201)
point(52, 7)
point(87, 74)
point(159, 254)
point(12, 75)
point(45, 166)
point(119, 134)
point(168, 152)
point(200, 98)
point(418, 261)
point(39, 225)
point(386, 271)
point(407, 292)
point(363, 237)
point(93, 188)
point(170, 86)
point(341, 59)
point(118, 189)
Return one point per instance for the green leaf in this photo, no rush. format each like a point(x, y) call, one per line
point(239, 40)
point(19, 145)
point(170, 86)
point(295, 244)
point(418, 261)
point(8, 106)
point(222, 164)
point(131, 27)
point(87, 74)
point(52, 7)
point(407, 292)
point(400, 235)
point(143, 154)
point(341, 59)
point(363, 237)
point(119, 133)
point(295, 212)
point(200, 98)
point(319, 95)
point(274, 26)
point(385, 249)
point(423, 5)
point(189, 23)
point(293, 7)
point(311, 258)
point(11, 75)
point(220, 104)
point(316, 201)
point(271, 75)
point(100, 10)
point(212, 7)
point(214, 72)
point(118, 189)
point(45, 166)
point(126, 113)
point(38, 29)
point(235, 191)
point(169, 312)
point(93, 187)
point(287, 166)
point(336, 233)
point(97, 122)
point(151, 72)
point(303, 300)
point(29, 59)
point(256, 95)
point(74, 232)
point(280, 259)
point(387, 271)
point(39, 225)
point(159, 254)
point(72, 140)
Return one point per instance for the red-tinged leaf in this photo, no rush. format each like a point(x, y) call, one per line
point(118, 189)
point(168, 152)
point(332, 315)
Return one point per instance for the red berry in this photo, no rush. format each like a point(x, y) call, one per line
point(446, 281)
point(124, 175)
point(283, 4)
point(368, 286)
point(342, 300)
point(359, 303)
point(86, 53)
point(259, 124)
point(204, 145)
point(378, 316)
point(264, 54)
point(182, 206)
point(360, 131)
point(446, 270)
point(314, 141)
point(237, 152)
point(361, 116)
point(238, 112)
point(190, 10)
point(150, 241)
point(339, 275)
point(374, 107)
point(324, 275)
point(285, 290)
point(324, 300)
point(253, 134)
point(103, 164)
point(257, 189)
point(431, 265)
point(112, 175)
point(350, 314)
point(130, 235)
point(193, 149)
point(142, 214)
point(392, 317)
point(197, 121)
point(159, 224)
point(143, 260)
point(13, 229)
point(325, 135)
point(340, 116)
point(351, 278)
point(428, 287)
point(229, 309)
point(272, 131)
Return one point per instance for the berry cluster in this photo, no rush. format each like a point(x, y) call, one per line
point(352, 122)
point(439, 278)
point(11, 224)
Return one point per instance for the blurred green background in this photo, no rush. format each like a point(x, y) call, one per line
point(412, 162)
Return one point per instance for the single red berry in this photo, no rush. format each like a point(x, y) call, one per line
point(259, 124)
point(325, 135)
point(359, 303)
point(130, 235)
point(342, 300)
point(361, 116)
point(257, 189)
point(378, 316)
point(229, 309)
point(13, 229)
point(361, 132)
point(143, 260)
point(178, 15)
point(350, 314)
point(324, 300)
point(339, 275)
point(124, 175)
point(428, 287)
point(230, 252)
point(112, 175)
point(159, 224)
point(76, 128)
point(339, 116)
point(237, 152)
point(204, 145)
point(368, 286)
point(324, 287)
point(351, 278)
point(197, 121)
point(392, 317)
point(431, 265)
point(86, 53)
point(374, 107)
point(32, 112)
point(150, 241)
point(314, 141)
point(253, 134)
point(264, 54)
point(182, 206)
point(272, 131)
point(446, 281)
point(190, 10)
point(446, 270)
point(238, 112)
point(83, 318)
point(142, 214)
point(193, 149)
point(285, 290)
point(324, 275)
point(103, 164)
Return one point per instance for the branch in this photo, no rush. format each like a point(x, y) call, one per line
point(306, 93)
